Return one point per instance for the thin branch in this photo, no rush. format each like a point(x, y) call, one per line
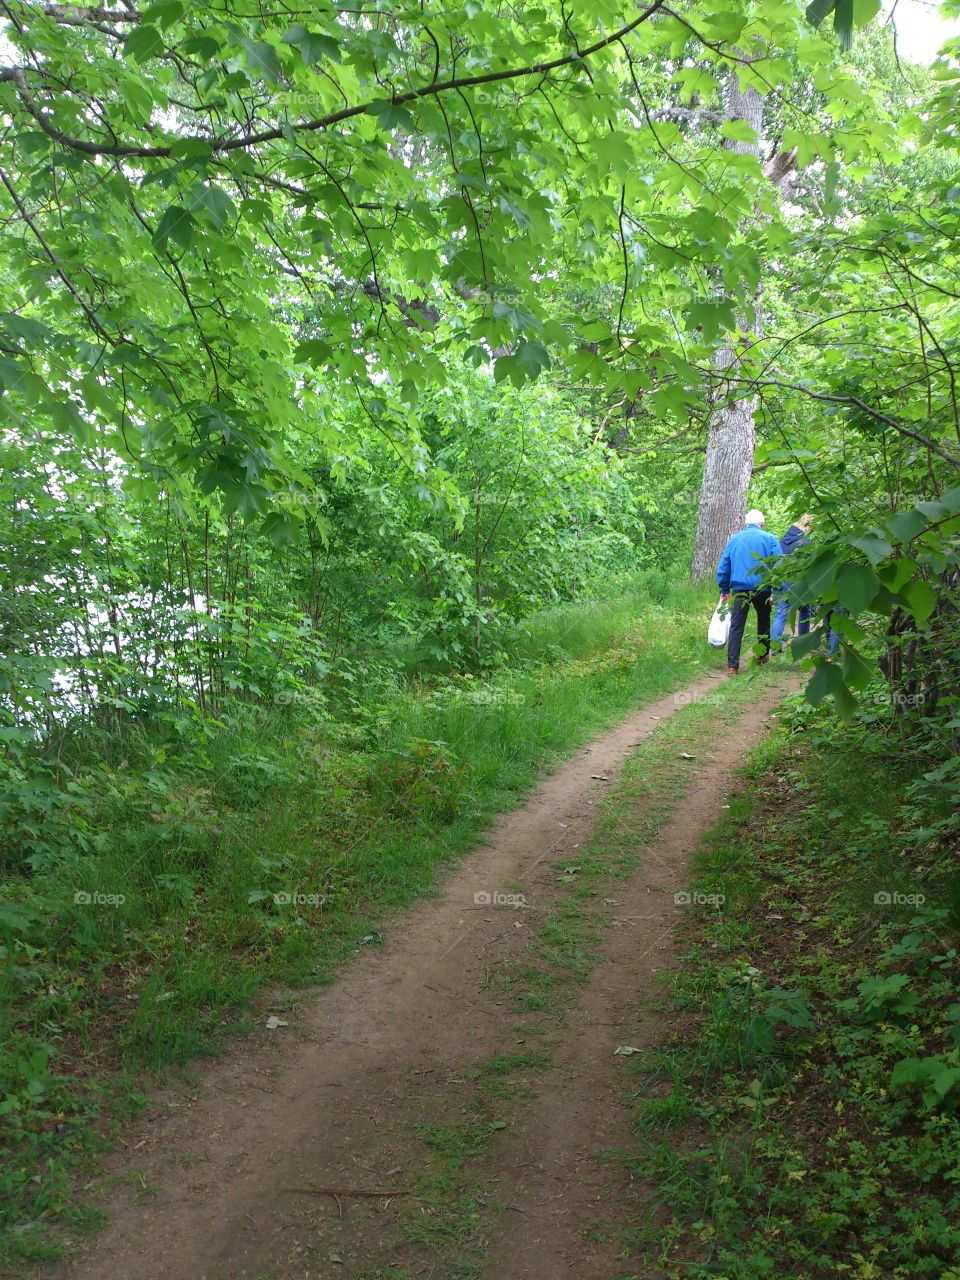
point(220, 145)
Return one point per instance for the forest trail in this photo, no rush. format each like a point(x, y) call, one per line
point(206, 1187)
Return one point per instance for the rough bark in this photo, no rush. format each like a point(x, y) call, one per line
point(732, 433)
point(726, 475)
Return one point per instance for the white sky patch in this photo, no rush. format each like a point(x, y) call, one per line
point(921, 29)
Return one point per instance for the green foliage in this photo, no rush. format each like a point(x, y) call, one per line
point(828, 1144)
point(351, 365)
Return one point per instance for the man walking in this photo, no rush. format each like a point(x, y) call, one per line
point(739, 574)
point(797, 535)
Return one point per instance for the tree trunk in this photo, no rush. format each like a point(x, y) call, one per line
point(726, 476)
point(732, 434)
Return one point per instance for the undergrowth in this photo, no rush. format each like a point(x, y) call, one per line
point(803, 1120)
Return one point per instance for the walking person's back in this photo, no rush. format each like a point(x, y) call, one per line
point(740, 575)
point(798, 535)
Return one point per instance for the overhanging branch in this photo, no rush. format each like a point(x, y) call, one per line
point(221, 145)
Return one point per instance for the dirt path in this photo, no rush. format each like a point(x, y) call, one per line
point(570, 1202)
point(203, 1185)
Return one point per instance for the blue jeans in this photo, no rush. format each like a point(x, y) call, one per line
point(780, 618)
point(833, 640)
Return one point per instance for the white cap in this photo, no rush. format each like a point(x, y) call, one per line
point(754, 517)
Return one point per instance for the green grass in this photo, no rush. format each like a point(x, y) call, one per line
point(770, 1137)
point(187, 832)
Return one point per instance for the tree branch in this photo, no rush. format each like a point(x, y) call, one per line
point(856, 403)
point(221, 145)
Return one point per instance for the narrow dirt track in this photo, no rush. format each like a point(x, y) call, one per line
point(560, 1193)
point(324, 1102)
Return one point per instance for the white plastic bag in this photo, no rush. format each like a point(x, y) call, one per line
point(719, 627)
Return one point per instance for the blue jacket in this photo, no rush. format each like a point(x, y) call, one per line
point(793, 538)
point(739, 568)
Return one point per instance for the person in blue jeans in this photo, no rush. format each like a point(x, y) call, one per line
point(798, 535)
point(740, 574)
point(833, 639)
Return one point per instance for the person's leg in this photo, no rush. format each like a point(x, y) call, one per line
point(803, 619)
point(761, 602)
point(833, 639)
point(739, 608)
point(779, 619)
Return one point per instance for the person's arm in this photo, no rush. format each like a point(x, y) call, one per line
point(723, 574)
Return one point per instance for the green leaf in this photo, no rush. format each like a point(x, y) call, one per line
point(533, 358)
point(12, 373)
point(933, 510)
point(944, 1081)
point(390, 116)
point(262, 59)
point(216, 204)
point(177, 224)
point(856, 586)
point(800, 646)
point(738, 131)
point(280, 527)
point(315, 352)
point(827, 681)
point(895, 573)
point(165, 12)
point(842, 11)
point(921, 599)
point(31, 331)
point(822, 683)
point(143, 42)
point(914, 1071)
point(873, 545)
point(843, 22)
point(817, 10)
point(818, 576)
point(313, 45)
point(202, 46)
point(857, 672)
point(905, 525)
point(713, 316)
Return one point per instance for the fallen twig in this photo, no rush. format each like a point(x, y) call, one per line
point(336, 1192)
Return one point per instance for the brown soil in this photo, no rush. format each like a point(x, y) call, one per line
point(209, 1185)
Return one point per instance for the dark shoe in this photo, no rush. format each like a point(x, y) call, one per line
point(761, 661)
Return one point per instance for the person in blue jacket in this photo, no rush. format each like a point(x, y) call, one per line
point(798, 535)
point(740, 574)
